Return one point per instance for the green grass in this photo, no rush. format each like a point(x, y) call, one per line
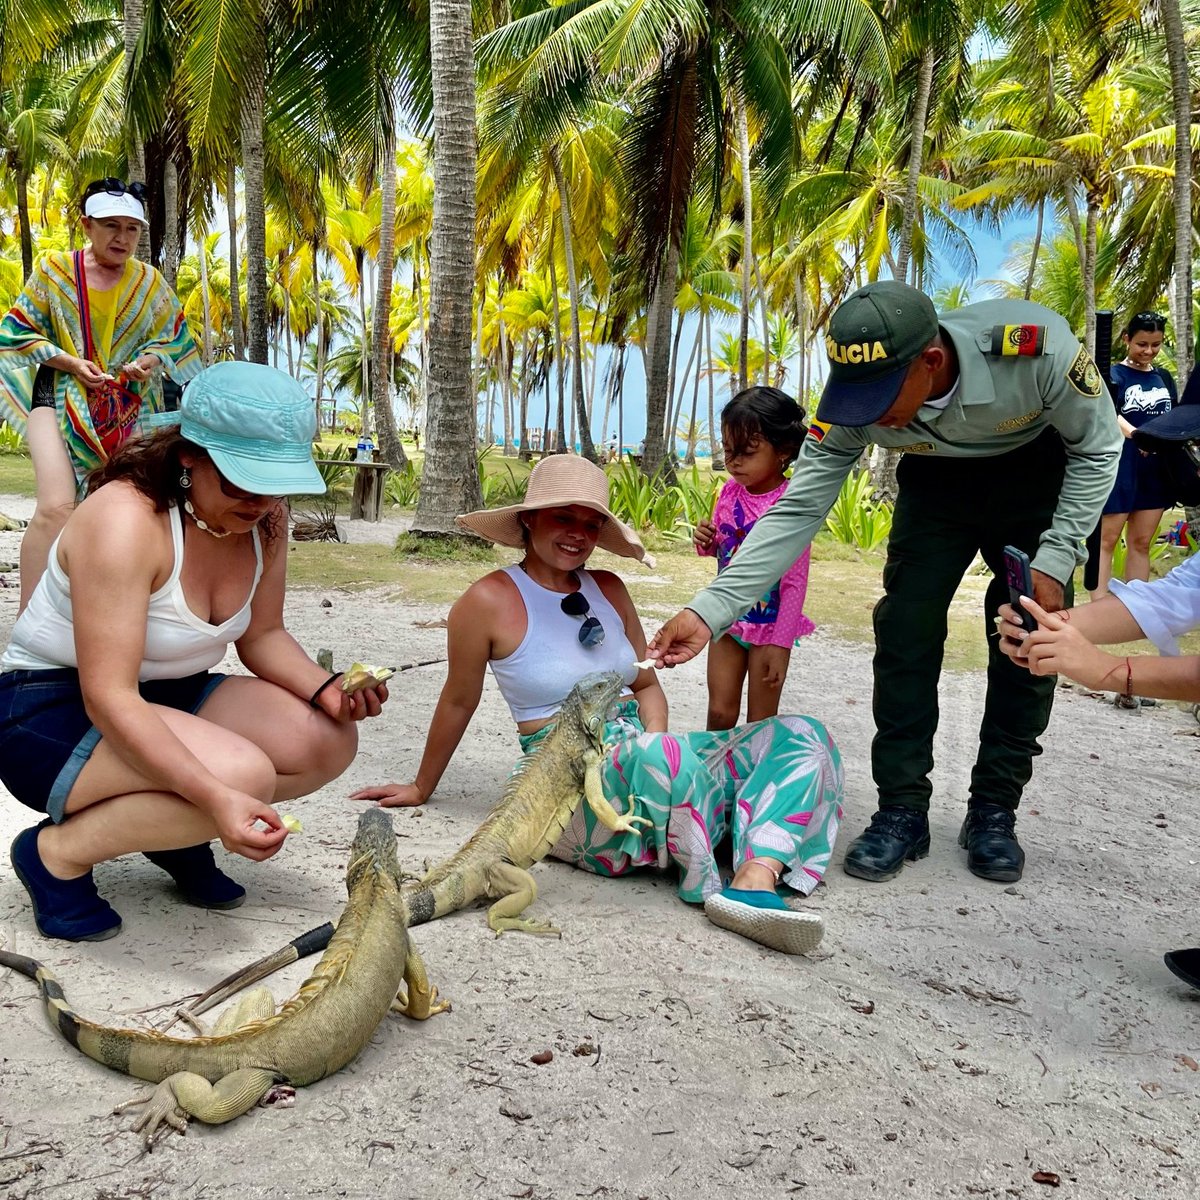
point(16, 475)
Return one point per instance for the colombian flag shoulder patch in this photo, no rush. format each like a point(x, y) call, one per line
point(1010, 340)
point(818, 429)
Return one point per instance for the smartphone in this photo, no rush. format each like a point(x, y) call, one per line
point(1020, 583)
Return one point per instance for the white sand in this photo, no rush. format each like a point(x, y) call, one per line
point(951, 1038)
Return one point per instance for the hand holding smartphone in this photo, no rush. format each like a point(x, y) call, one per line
point(1019, 576)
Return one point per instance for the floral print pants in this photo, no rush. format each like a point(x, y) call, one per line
point(777, 783)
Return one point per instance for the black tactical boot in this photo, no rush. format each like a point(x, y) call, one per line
point(989, 837)
point(895, 835)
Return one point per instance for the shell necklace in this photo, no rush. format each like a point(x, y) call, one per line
point(202, 524)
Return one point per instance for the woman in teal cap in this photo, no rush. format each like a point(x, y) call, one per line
point(119, 730)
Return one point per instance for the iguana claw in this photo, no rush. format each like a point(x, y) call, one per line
point(161, 1108)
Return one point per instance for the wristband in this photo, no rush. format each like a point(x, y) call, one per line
point(312, 700)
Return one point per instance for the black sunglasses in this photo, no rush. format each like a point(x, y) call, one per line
point(1157, 320)
point(115, 187)
point(591, 632)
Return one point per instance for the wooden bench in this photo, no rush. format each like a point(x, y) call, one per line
point(366, 500)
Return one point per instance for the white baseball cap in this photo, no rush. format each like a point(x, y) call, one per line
point(104, 204)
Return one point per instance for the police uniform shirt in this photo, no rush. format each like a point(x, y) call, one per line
point(1036, 377)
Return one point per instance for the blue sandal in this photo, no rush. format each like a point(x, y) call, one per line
point(70, 909)
point(198, 877)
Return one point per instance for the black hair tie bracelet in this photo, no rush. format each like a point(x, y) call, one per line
point(312, 700)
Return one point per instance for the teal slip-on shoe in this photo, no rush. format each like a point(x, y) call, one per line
point(764, 918)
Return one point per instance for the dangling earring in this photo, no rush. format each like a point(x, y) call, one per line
point(185, 480)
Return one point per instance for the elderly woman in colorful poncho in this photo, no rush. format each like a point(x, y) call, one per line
point(82, 352)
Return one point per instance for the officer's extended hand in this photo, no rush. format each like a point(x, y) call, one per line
point(1048, 592)
point(681, 638)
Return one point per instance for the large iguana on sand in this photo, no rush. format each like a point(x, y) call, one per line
point(539, 801)
point(318, 1031)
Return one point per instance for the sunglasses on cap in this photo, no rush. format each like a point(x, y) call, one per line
point(112, 186)
point(233, 491)
point(1156, 320)
point(591, 632)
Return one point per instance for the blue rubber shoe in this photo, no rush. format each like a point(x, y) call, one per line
point(764, 918)
point(198, 877)
point(70, 909)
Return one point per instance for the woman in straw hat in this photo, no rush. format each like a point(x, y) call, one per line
point(545, 622)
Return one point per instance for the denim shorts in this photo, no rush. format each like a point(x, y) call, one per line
point(46, 736)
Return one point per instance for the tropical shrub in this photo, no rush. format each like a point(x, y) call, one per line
point(857, 518)
point(11, 442)
point(403, 488)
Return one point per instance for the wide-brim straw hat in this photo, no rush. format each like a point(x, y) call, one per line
point(558, 482)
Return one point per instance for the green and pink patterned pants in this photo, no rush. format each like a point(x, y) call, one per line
point(777, 783)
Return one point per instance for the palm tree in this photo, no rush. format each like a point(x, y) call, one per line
point(451, 481)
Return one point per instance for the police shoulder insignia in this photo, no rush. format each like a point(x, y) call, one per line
point(1022, 340)
point(1084, 375)
point(818, 429)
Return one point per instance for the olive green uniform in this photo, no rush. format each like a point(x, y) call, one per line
point(1025, 453)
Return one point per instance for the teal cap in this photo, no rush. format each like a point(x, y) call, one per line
point(257, 425)
point(871, 340)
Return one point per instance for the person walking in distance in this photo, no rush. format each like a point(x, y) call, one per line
point(1008, 439)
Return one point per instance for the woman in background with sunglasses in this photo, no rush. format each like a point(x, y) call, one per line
point(1141, 391)
point(113, 722)
point(541, 625)
point(82, 352)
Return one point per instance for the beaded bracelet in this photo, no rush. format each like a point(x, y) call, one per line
point(312, 700)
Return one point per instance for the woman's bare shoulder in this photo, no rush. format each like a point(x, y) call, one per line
point(494, 591)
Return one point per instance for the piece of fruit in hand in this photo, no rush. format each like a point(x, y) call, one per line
point(291, 824)
point(361, 675)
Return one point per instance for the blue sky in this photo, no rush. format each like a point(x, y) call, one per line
point(991, 252)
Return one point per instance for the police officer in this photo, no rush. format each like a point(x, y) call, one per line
point(1008, 438)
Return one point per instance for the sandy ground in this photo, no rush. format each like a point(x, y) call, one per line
point(951, 1037)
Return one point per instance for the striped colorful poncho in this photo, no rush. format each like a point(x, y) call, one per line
point(49, 318)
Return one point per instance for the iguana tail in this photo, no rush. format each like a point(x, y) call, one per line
point(60, 1014)
point(314, 941)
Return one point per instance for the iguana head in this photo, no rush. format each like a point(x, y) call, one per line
point(590, 702)
point(373, 848)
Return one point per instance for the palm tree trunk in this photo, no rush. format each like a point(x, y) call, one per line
point(687, 370)
point(287, 331)
point(714, 434)
point(22, 179)
point(235, 287)
point(561, 448)
point(390, 447)
point(451, 481)
point(365, 336)
point(586, 448)
point(1037, 245)
point(315, 245)
point(619, 394)
point(671, 419)
point(1181, 105)
point(1089, 276)
point(801, 338)
point(253, 107)
point(523, 426)
point(690, 458)
point(766, 322)
point(135, 155)
point(206, 340)
point(916, 154)
point(658, 354)
point(743, 140)
point(170, 240)
point(479, 375)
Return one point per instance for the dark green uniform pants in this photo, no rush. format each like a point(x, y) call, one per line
point(947, 509)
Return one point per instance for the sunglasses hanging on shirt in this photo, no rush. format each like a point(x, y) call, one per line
point(591, 632)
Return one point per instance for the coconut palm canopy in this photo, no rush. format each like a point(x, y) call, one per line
point(674, 191)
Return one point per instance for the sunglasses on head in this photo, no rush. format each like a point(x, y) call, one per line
point(116, 187)
point(591, 632)
point(1157, 320)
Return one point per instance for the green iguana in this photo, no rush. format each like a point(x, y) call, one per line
point(538, 803)
point(252, 1048)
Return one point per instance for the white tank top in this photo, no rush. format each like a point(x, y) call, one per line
point(536, 677)
point(178, 643)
